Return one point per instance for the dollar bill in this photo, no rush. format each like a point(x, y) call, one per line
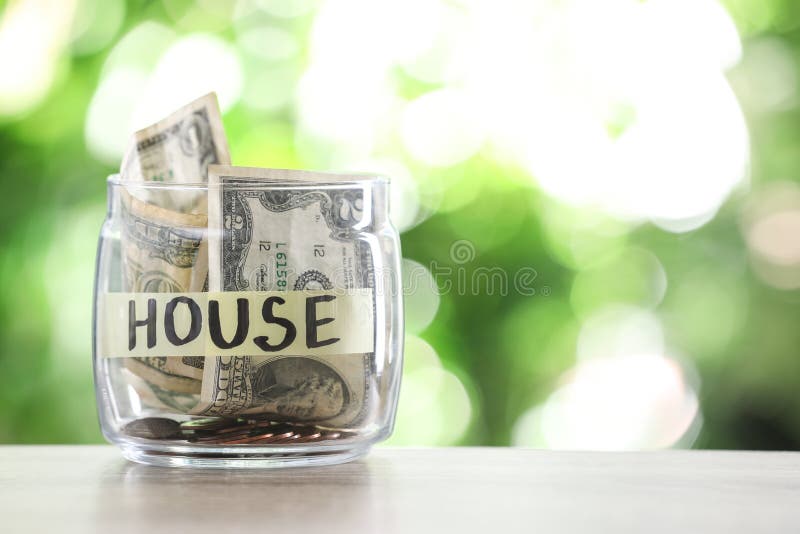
point(162, 252)
point(286, 238)
point(163, 237)
point(154, 397)
point(178, 149)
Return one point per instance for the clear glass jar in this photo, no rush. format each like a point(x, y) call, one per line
point(248, 323)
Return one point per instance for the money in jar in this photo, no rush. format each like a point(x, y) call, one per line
point(243, 316)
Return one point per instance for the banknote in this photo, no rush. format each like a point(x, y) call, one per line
point(163, 252)
point(178, 149)
point(266, 237)
point(157, 398)
point(163, 235)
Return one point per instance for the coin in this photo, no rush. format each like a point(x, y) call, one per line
point(280, 428)
point(264, 424)
point(273, 438)
point(153, 428)
point(308, 437)
point(255, 431)
point(207, 423)
point(232, 429)
point(249, 439)
point(218, 436)
point(245, 437)
point(220, 439)
point(288, 439)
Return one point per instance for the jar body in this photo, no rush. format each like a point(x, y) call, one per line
point(250, 324)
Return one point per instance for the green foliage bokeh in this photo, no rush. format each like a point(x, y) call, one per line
point(508, 351)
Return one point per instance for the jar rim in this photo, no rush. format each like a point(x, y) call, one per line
point(315, 179)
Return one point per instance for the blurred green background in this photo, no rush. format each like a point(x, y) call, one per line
point(598, 199)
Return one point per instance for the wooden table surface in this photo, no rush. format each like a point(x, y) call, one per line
point(92, 489)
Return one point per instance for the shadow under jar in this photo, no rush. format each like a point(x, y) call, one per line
point(248, 323)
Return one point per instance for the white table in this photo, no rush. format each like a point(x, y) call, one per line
point(92, 489)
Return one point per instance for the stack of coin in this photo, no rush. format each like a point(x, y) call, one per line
point(229, 431)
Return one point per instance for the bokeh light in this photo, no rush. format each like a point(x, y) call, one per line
point(633, 276)
point(140, 48)
point(617, 331)
point(438, 129)
point(434, 405)
point(138, 89)
point(108, 121)
point(704, 293)
point(268, 87)
point(268, 42)
point(638, 159)
point(442, 43)
point(766, 78)
point(33, 34)
point(624, 393)
point(771, 224)
point(74, 257)
point(279, 8)
point(193, 66)
point(630, 402)
point(420, 296)
point(95, 25)
point(578, 238)
point(623, 108)
point(199, 15)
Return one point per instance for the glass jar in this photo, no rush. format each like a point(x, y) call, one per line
point(248, 323)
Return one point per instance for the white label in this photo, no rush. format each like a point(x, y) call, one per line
point(236, 323)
